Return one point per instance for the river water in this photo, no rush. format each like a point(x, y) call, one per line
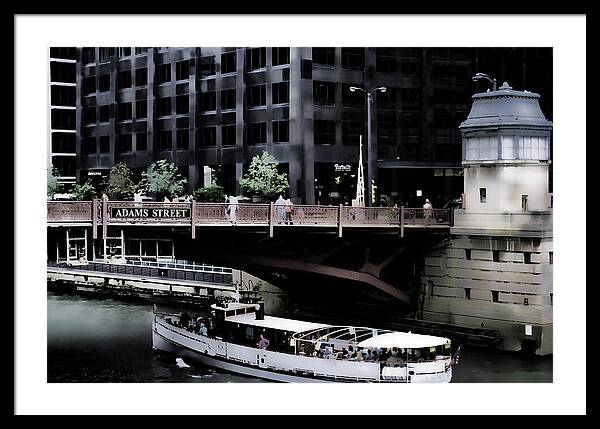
point(103, 340)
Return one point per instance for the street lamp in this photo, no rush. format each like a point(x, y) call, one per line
point(370, 156)
point(479, 76)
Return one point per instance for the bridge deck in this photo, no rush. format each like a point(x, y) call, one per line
point(126, 213)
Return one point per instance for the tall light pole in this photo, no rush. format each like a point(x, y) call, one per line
point(479, 76)
point(370, 155)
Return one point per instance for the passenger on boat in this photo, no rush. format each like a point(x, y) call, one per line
point(203, 331)
point(184, 320)
point(263, 343)
point(327, 352)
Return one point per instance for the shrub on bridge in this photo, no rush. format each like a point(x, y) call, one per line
point(53, 185)
point(210, 194)
point(263, 179)
point(119, 184)
point(84, 192)
point(162, 180)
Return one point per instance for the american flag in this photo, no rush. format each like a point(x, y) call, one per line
point(456, 356)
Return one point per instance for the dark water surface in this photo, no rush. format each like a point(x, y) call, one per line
point(102, 340)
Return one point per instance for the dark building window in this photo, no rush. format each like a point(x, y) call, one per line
point(410, 67)
point(386, 128)
point(89, 85)
point(183, 138)
point(257, 58)
point(63, 143)
point(208, 101)
point(141, 109)
point(124, 79)
point(468, 293)
point(65, 166)
point(257, 95)
point(124, 111)
point(208, 136)
point(140, 51)
point(141, 76)
point(385, 63)
point(281, 131)
point(482, 195)
point(323, 56)
point(527, 257)
point(496, 255)
point(62, 96)
point(62, 72)
point(106, 54)
point(125, 143)
point(228, 62)
point(208, 67)
point(387, 99)
point(182, 104)
point(124, 52)
point(64, 53)
point(182, 70)
point(281, 92)
point(89, 143)
point(228, 99)
point(324, 132)
point(89, 115)
point(551, 257)
point(323, 92)
point(495, 295)
point(163, 106)
point(410, 95)
point(228, 135)
point(353, 99)
point(164, 73)
point(353, 58)
point(88, 55)
point(61, 119)
point(104, 82)
point(141, 142)
point(468, 254)
point(165, 140)
point(280, 56)
point(257, 133)
point(104, 144)
point(351, 132)
point(104, 113)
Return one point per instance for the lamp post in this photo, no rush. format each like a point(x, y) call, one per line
point(370, 156)
point(479, 76)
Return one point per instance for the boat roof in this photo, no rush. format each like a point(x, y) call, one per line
point(403, 340)
point(279, 323)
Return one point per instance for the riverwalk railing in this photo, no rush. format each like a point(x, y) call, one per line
point(198, 273)
point(104, 213)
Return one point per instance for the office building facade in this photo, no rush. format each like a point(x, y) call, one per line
point(219, 107)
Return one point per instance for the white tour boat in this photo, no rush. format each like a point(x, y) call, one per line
point(299, 351)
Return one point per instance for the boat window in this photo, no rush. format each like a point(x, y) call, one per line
point(249, 332)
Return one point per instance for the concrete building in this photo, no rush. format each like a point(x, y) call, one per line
point(496, 273)
point(218, 107)
point(62, 95)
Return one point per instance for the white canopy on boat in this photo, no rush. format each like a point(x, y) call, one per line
point(403, 340)
point(275, 323)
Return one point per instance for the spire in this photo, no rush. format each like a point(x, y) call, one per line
point(360, 181)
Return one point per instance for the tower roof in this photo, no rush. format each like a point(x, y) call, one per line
point(505, 108)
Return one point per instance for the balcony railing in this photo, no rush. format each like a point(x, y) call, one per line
point(105, 213)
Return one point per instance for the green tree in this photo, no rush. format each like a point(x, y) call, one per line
point(263, 178)
point(119, 184)
point(210, 194)
point(53, 185)
point(84, 192)
point(162, 180)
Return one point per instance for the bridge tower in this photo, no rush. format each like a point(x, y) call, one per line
point(497, 272)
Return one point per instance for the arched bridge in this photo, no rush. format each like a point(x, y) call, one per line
point(356, 252)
